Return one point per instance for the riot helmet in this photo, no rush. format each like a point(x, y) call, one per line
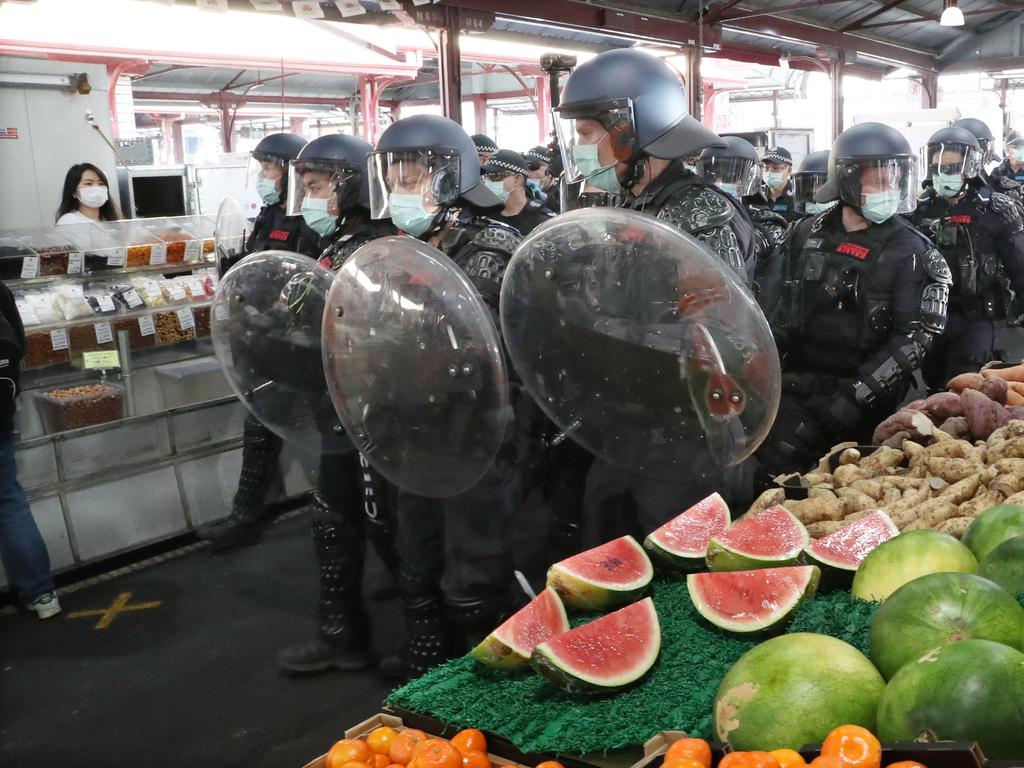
point(951, 157)
point(735, 168)
point(328, 180)
point(619, 107)
point(808, 179)
point(872, 168)
point(981, 132)
point(268, 165)
point(422, 167)
point(1014, 145)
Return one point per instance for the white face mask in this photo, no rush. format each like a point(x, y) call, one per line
point(94, 197)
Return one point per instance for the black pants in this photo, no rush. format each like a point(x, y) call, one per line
point(965, 347)
point(260, 451)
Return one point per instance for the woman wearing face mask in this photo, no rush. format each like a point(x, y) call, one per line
point(86, 197)
point(505, 174)
point(981, 239)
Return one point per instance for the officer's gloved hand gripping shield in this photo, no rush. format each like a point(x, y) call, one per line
point(639, 343)
point(230, 231)
point(266, 320)
point(415, 367)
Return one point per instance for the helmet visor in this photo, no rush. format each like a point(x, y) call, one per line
point(431, 174)
point(331, 180)
point(805, 185)
point(267, 174)
point(944, 163)
point(744, 173)
point(863, 180)
point(594, 137)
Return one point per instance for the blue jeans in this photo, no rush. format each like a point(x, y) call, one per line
point(22, 549)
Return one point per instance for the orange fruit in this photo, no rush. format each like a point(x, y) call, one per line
point(380, 761)
point(906, 764)
point(435, 753)
point(349, 751)
point(470, 740)
point(474, 758)
point(550, 764)
point(855, 746)
point(380, 739)
point(827, 761)
point(354, 764)
point(748, 760)
point(733, 760)
point(683, 762)
point(788, 758)
point(695, 749)
point(402, 745)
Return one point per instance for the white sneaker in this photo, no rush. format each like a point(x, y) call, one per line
point(46, 605)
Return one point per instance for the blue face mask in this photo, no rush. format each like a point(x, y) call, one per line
point(408, 214)
point(729, 189)
point(1017, 154)
point(314, 211)
point(880, 206)
point(601, 176)
point(534, 185)
point(815, 208)
point(267, 191)
point(774, 179)
point(948, 184)
point(498, 188)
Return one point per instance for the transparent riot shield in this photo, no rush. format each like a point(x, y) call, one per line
point(415, 367)
point(266, 321)
point(230, 233)
point(639, 343)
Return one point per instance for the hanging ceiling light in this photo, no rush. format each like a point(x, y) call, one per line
point(952, 16)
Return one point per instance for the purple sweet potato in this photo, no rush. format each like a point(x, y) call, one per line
point(1015, 412)
point(957, 426)
point(995, 389)
point(984, 416)
point(942, 406)
point(915, 405)
point(904, 420)
point(966, 381)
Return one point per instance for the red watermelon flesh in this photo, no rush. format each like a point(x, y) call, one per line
point(773, 537)
point(610, 575)
point(683, 541)
point(847, 547)
point(606, 654)
point(510, 645)
point(751, 601)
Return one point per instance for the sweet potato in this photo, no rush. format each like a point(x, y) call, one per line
point(1009, 466)
point(916, 454)
point(979, 504)
point(881, 460)
point(1008, 485)
point(896, 440)
point(952, 449)
point(770, 498)
point(1011, 373)
point(962, 490)
point(934, 511)
point(1015, 410)
point(995, 389)
point(952, 470)
point(956, 526)
point(1017, 498)
point(847, 474)
point(916, 405)
point(816, 510)
point(874, 487)
point(823, 528)
point(821, 492)
point(1006, 449)
point(943, 405)
point(849, 456)
point(957, 426)
point(891, 496)
point(855, 501)
point(983, 415)
point(965, 381)
point(916, 423)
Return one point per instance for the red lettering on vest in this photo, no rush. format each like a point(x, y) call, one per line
point(280, 234)
point(960, 218)
point(852, 249)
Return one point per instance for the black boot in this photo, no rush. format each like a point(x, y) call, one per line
point(428, 642)
point(474, 618)
point(344, 626)
point(245, 524)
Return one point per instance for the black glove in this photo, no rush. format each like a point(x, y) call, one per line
point(839, 415)
point(789, 449)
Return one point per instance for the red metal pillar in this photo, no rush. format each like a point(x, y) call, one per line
point(836, 80)
point(543, 110)
point(480, 113)
point(695, 95)
point(227, 128)
point(450, 65)
point(367, 109)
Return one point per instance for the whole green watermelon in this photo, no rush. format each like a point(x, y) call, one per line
point(907, 557)
point(1005, 565)
point(968, 691)
point(994, 526)
point(942, 608)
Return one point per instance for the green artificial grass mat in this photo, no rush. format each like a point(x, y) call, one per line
point(678, 694)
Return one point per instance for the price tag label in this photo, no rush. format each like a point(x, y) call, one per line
point(59, 339)
point(72, 291)
point(192, 250)
point(105, 302)
point(146, 327)
point(220, 313)
point(195, 287)
point(101, 360)
point(389, 5)
point(30, 266)
point(117, 257)
point(104, 335)
point(132, 298)
point(266, 5)
point(158, 255)
point(349, 8)
point(177, 293)
point(307, 10)
point(75, 263)
point(185, 319)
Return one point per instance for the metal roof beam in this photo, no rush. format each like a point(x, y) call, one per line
point(327, 101)
point(984, 65)
point(859, 23)
point(977, 12)
point(773, 10)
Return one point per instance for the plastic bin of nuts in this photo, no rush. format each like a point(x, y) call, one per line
point(77, 407)
point(173, 327)
point(43, 348)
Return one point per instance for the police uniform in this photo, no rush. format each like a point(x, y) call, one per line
point(983, 244)
point(1005, 171)
point(534, 214)
point(857, 315)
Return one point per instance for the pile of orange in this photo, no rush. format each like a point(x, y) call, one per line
point(848, 746)
point(388, 747)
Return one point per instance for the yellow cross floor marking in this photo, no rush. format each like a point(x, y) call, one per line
point(119, 605)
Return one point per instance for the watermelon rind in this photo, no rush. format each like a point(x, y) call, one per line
point(906, 557)
point(848, 535)
point(722, 556)
point(777, 612)
point(501, 650)
point(588, 594)
point(585, 680)
point(672, 554)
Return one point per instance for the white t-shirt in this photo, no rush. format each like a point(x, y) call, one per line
point(74, 217)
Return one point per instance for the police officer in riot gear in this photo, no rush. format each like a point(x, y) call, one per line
point(273, 229)
point(1012, 167)
point(623, 129)
point(984, 182)
point(864, 298)
point(505, 174)
point(808, 179)
point(329, 189)
point(456, 558)
point(981, 239)
point(776, 193)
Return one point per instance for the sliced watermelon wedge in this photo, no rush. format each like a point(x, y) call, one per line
point(846, 548)
point(751, 601)
point(510, 645)
point(682, 542)
point(607, 576)
point(606, 655)
point(769, 539)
